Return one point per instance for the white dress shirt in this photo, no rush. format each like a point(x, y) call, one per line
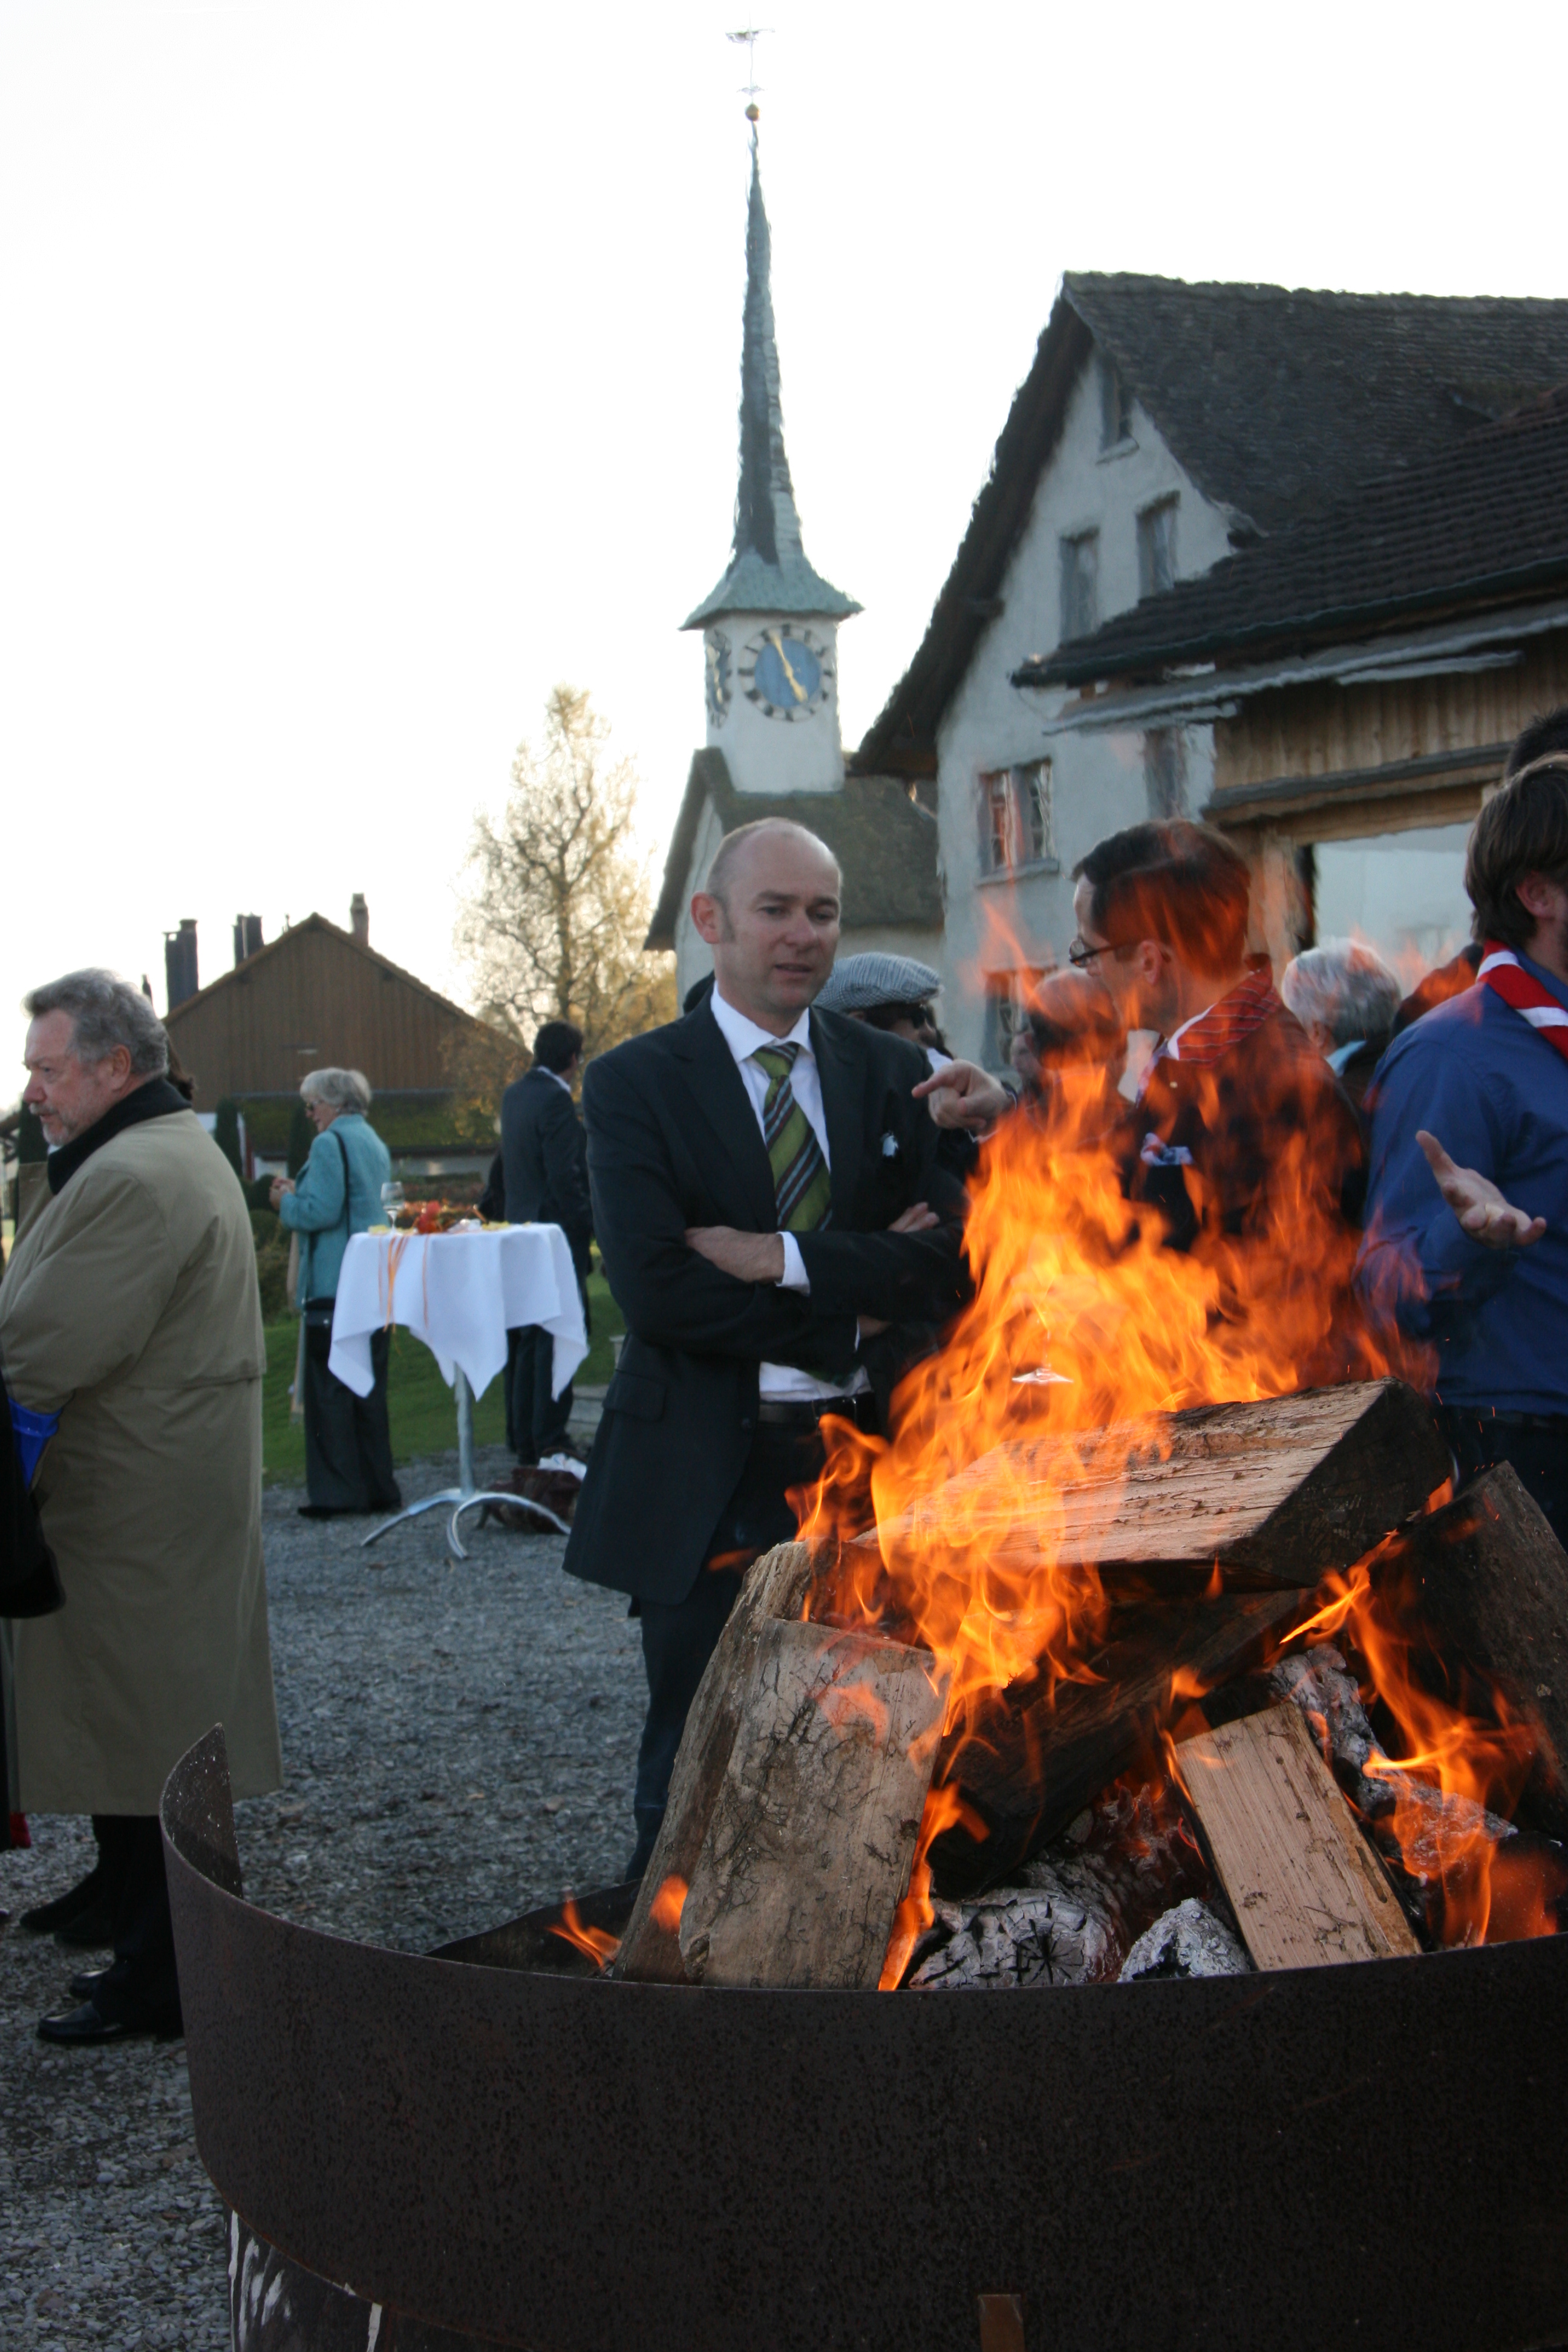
point(744, 1038)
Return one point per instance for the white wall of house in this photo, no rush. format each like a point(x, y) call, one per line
point(1021, 920)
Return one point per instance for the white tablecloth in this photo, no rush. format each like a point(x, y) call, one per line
point(460, 1293)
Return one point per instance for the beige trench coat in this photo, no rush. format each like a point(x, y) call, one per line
point(130, 1307)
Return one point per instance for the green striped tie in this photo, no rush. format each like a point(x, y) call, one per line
point(801, 1181)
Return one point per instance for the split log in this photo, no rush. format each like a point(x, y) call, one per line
point(1279, 1492)
point(1030, 1765)
point(1305, 1887)
point(774, 1588)
point(809, 1842)
point(1490, 1581)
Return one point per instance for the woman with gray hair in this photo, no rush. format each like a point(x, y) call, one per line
point(1345, 998)
point(348, 1445)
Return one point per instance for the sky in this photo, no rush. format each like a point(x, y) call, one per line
point(370, 368)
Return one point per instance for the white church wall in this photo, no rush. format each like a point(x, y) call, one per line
point(1021, 920)
point(774, 755)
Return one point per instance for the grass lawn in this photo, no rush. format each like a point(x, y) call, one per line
point(424, 1420)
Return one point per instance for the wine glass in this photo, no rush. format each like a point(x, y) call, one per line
point(391, 1201)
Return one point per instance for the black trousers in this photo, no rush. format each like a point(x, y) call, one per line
point(140, 1984)
point(538, 1419)
point(348, 1444)
point(678, 1637)
point(1540, 1455)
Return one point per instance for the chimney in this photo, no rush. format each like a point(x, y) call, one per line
point(247, 937)
point(358, 919)
point(180, 978)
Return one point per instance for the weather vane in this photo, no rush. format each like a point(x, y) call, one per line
point(750, 35)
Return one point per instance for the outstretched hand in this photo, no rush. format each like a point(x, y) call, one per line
point(1475, 1200)
point(961, 1094)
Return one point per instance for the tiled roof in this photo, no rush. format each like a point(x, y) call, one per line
point(1276, 402)
point(885, 844)
point(1486, 521)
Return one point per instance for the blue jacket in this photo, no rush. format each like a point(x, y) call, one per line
point(314, 1210)
point(1494, 1092)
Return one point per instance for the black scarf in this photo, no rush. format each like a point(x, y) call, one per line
point(156, 1099)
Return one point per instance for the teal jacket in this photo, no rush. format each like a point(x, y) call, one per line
point(314, 1210)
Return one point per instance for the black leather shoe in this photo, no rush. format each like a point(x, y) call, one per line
point(82, 1988)
point(90, 1930)
point(44, 1917)
point(87, 2026)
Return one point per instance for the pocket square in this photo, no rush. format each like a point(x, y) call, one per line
point(889, 1145)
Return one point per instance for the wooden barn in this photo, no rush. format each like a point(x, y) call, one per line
point(321, 997)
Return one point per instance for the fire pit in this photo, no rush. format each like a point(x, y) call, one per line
point(499, 2142)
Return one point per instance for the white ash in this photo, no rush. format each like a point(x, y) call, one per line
point(1084, 1901)
point(1189, 1941)
point(1016, 1936)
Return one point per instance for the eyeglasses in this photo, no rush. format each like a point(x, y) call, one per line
point(1080, 957)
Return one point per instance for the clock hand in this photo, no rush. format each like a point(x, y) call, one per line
point(776, 641)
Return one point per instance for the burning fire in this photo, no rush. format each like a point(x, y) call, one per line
point(1081, 1321)
point(599, 1948)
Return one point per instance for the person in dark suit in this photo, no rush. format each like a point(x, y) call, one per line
point(781, 1242)
point(544, 1156)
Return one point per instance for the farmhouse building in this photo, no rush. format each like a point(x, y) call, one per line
point(319, 997)
point(1165, 430)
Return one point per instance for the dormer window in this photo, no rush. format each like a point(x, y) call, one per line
point(1115, 407)
point(1157, 547)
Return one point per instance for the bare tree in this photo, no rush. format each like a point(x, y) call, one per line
point(558, 896)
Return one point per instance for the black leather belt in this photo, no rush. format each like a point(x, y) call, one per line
point(804, 1412)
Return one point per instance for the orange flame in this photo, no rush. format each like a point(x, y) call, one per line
point(600, 1947)
point(984, 1500)
point(944, 1809)
point(669, 1903)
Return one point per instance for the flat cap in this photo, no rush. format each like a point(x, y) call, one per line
point(862, 981)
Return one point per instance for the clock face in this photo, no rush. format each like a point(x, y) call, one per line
point(787, 672)
point(721, 676)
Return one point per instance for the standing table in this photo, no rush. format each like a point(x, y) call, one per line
point(460, 1293)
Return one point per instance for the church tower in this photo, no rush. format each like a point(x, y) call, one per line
point(770, 629)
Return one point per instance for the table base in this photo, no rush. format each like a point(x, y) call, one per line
point(465, 1495)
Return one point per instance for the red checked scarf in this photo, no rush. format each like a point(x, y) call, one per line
point(1224, 1024)
point(1502, 971)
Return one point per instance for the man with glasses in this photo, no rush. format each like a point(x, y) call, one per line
point(1161, 912)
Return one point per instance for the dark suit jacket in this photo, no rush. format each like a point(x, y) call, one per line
point(545, 1155)
point(673, 1141)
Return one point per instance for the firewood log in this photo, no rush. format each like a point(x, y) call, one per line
point(1030, 1764)
point(1304, 1884)
point(1490, 1581)
point(810, 1839)
point(1278, 1492)
point(774, 1588)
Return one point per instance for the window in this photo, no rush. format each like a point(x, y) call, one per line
point(1115, 408)
point(1007, 993)
point(1080, 585)
point(1157, 547)
point(1165, 770)
point(1016, 818)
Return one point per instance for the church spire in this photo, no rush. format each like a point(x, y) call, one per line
point(768, 569)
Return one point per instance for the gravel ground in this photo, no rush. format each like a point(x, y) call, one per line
point(459, 1740)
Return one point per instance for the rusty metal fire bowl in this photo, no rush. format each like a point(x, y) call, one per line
point(495, 2141)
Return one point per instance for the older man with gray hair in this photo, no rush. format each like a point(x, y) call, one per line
point(1345, 998)
point(130, 1321)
